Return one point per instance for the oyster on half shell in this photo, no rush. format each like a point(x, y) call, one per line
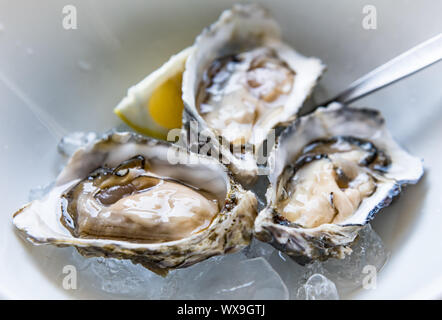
point(122, 197)
point(333, 171)
point(240, 81)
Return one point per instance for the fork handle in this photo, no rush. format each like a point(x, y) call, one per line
point(404, 65)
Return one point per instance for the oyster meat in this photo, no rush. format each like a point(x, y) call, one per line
point(333, 171)
point(111, 201)
point(239, 93)
point(121, 197)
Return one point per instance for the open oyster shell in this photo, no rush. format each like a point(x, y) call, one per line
point(333, 170)
point(240, 81)
point(115, 210)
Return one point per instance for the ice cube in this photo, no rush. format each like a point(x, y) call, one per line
point(349, 273)
point(258, 249)
point(118, 278)
point(39, 192)
point(73, 141)
point(318, 287)
point(293, 274)
point(230, 278)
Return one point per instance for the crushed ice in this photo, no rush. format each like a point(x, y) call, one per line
point(39, 192)
point(257, 272)
point(228, 277)
point(73, 141)
point(66, 147)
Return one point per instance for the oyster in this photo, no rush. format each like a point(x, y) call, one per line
point(333, 171)
point(241, 81)
point(130, 197)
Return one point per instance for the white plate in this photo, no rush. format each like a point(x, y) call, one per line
point(55, 81)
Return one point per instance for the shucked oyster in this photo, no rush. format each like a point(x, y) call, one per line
point(240, 81)
point(333, 171)
point(237, 81)
point(133, 198)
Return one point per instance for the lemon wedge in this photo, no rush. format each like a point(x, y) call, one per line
point(154, 106)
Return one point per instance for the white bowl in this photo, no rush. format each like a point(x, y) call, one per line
point(55, 81)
